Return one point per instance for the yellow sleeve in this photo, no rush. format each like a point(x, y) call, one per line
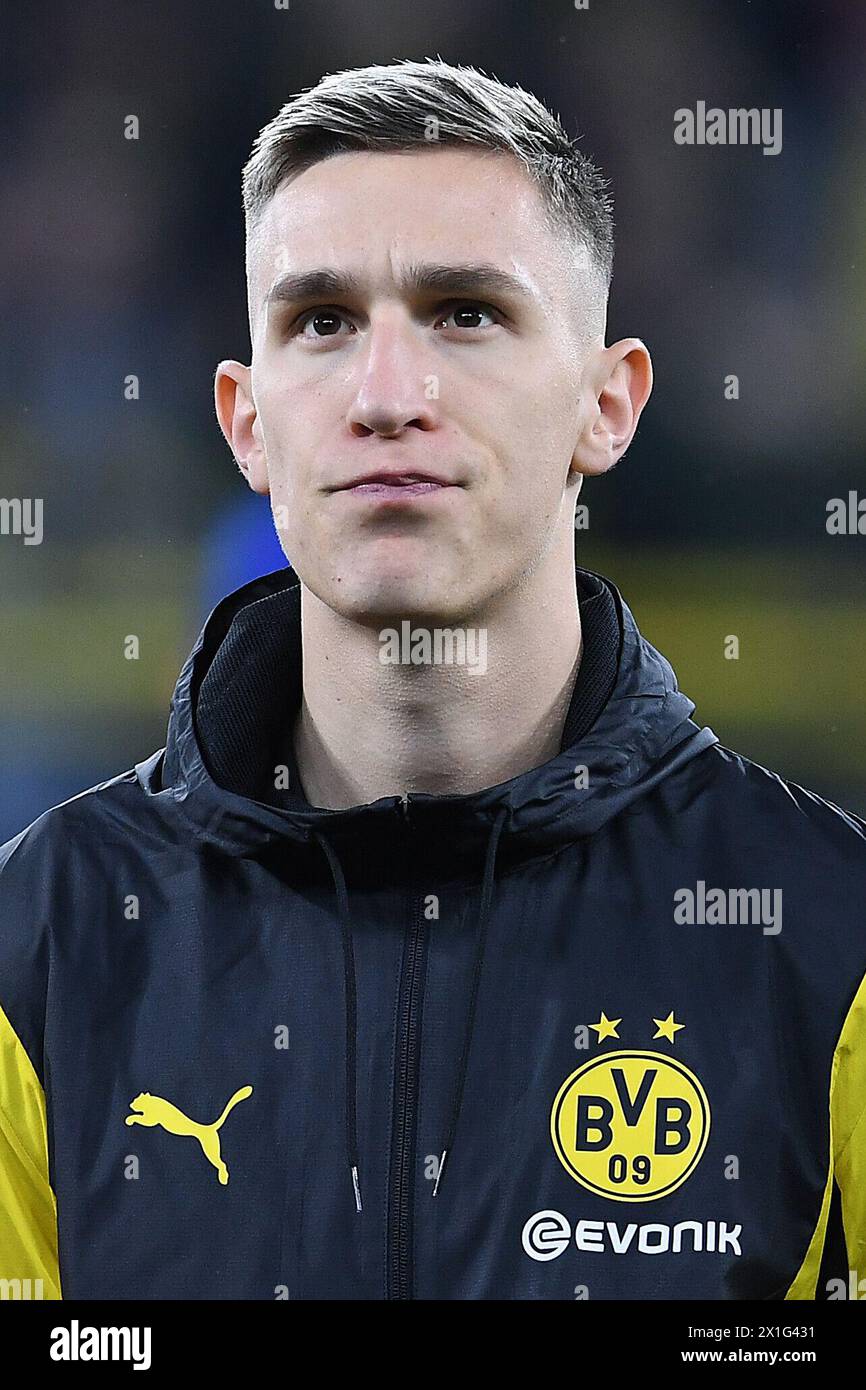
point(848, 1111)
point(847, 1166)
point(28, 1211)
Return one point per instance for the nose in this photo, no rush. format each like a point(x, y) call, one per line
point(396, 391)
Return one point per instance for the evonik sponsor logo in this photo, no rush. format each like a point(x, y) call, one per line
point(548, 1234)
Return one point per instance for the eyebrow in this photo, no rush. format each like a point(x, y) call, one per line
point(471, 278)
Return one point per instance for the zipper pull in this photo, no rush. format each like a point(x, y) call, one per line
point(404, 806)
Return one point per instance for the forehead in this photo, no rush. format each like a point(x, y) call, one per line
point(376, 210)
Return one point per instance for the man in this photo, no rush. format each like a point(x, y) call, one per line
point(473, 967)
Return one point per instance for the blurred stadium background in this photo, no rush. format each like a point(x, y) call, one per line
point(127, 257)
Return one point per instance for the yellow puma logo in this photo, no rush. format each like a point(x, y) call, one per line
point(153, 1110)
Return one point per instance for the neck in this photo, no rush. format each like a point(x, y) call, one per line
point(367, 729)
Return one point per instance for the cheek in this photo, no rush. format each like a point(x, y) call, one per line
point(534, 412)
point(296, 423)
point(285, 441)
point(533, 462)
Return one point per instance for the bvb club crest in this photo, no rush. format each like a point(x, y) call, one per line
point(630, 1125)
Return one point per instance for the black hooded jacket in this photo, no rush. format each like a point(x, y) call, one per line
point(596, 1032)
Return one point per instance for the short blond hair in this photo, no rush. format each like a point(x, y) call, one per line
point(406, 104)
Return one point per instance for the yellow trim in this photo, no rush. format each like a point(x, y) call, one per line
point(806, 1281)
point(847, 1107)
point(28, 1209)
point(850, 1130)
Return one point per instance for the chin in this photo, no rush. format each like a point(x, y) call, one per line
point(386, 602)
point(382, 584)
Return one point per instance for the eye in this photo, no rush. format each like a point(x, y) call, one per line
point(466, 314)
point(324, 323)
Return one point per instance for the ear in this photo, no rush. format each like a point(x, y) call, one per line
point(616, 387)
point(238, 420)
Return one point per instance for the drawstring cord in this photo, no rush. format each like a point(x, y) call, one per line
point(352, 1003)
point(483, 914)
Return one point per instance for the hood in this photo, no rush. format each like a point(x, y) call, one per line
point(242, 682)
point(231, 714)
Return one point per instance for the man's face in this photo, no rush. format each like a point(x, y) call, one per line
point(459, 397)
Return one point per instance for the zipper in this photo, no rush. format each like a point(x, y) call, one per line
point(406, 1081)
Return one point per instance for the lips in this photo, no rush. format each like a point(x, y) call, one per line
point(408, 479)
point(396, 488)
